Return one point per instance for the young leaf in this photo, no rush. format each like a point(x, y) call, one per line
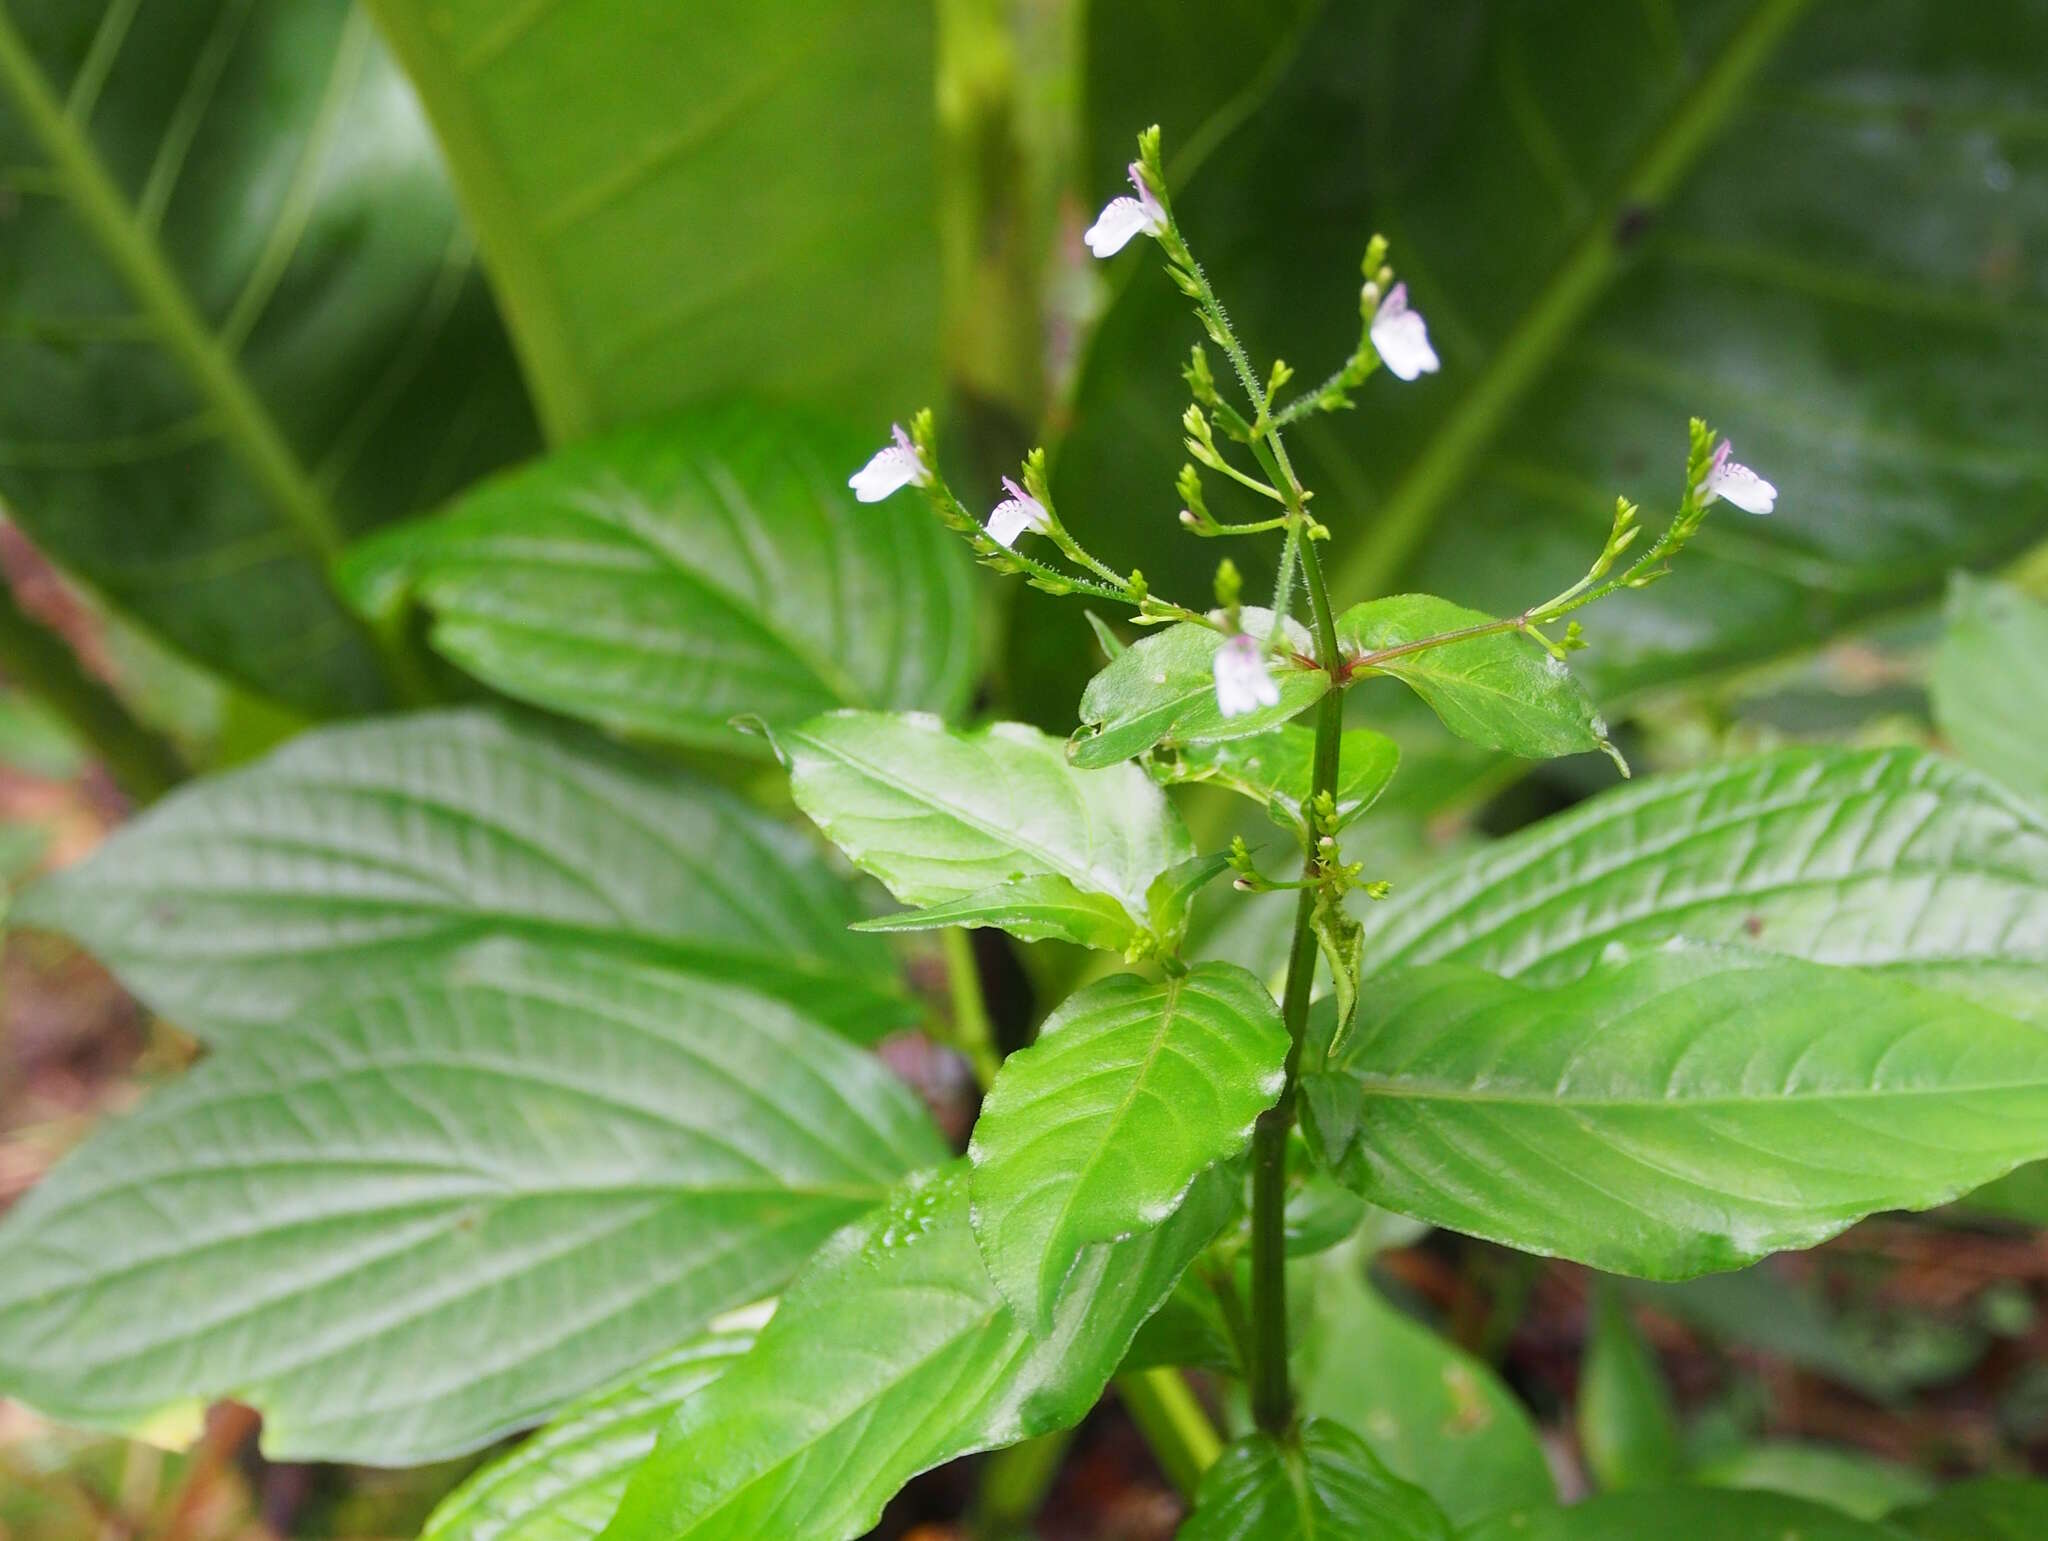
point(1990, 694)
point(1034, 909)
point(1170, 901)
point(1436, 1416)
point(564, 1483)
point(1676, 1112)
point(1501, 691)
point(360, 850)
point(664, 579)
point(1097, 1131)
point(1682, 1514)
point(416, 1220)
point(1326, 1482)
point(235, 339)
point(1628, 1423)
point(892, 1353)
point(1341, 940)
point(938, 814)
point(1987, 1509)
point(1162, 690)
point(1277, 768)
point(1889, 859)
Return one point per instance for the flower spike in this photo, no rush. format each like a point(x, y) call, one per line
point(1017, 514)
point(1242, 682)
point(1402, 337)
point(890, 469)
point(1734, 481)
point(1123, 218)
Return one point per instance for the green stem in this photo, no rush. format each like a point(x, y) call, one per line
point(973, 1034)
point(1014, 1483)
point(1167, 1413)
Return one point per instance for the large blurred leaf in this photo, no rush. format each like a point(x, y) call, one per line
point(665, 579)
point(1888, 859)
point(1988, 1509)
point(1852, 1481)
point(246, 897)
point(1682, 1514)
point(564, 1484)
point(1322, 1481)
point(1627, 1419)
point(892, 1353)
point(240, 324)
point(1808, 224)
point(409, 1223)
point(681, 200)
point(1989, 689)
point(1677, 1112)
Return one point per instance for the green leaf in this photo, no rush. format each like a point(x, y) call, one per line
point(662, 580)
point(1852, 1481)
point(1326, 1482)
point(244, 898)
point(762, 221)
point(1990, 695)
point(1501, 691)
point(1100, 1128)
point(1277, 768)
point(564, 1483)
point(243, 322)
point(1034, 909)
point(1681, 1514)
point(2021, 1196)
point(420, 1218)
point(1888, 859)
point(939, 814)
point(1676, 1112)
point(1436, 1416)
point(1612, 224)
point(1988, 1509)
point(892, 1353)
point(1627, 1420)
point(1170, 900)
point(1162, 690)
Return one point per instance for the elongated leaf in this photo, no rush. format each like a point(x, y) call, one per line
point(1627, 1420)
point(1677, 1112)
point(1988, 1509)
point(416, 1220)
point(1501, 691)
point(565, 1482)
point(939, 814)
point(1032, 909)
point(1990, 694)
point(358, 850)
point(892, 1353)
point(1852, 1481)
point(1327, 1483)
point(241, 321)
point(1162, 690)
point(1888, 859)
point(1277, 768)
point(767, 226)
point(662, 580)
point(1098, 1130)
point(1682, 1514)
point(1433, 1414)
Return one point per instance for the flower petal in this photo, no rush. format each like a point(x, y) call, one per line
point(1242, 683)
point(889, 470)
point(1741, 486)
point(1013, 517)
point(1120, 219)
point(1402, 337)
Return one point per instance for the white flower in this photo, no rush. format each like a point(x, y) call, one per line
point(1242, 683)
point(1017, 513)
point(1734, 481)
point(1122, 218)
point(1402, 337)
point(891, 469)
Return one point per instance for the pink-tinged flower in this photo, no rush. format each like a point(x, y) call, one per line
point(1402, 337)
point(891, 469)
point(1122, 218)
point(1734, 481)
point(1016, 514)
point(1242, 683)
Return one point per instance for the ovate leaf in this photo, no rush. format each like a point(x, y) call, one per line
point(1682, 1514)
point(1501, 690)
point(1677, 1112)
point(242, 322)
point(1162, 690)
point(1990, 692)
point(406, 1224)
point(665, 579)
point(1034, 909)
point(1627, 1420)
point(1277, 768)
point(767, 226)
point(359, 850)
point(1098, 1130)
point(938, 814)
point(1888, 859)
point(892, 1353)
point(1325, 1482)
point(565, 1482)
point(1988, 1509)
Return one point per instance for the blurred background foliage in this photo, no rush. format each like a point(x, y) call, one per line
point(276, 273)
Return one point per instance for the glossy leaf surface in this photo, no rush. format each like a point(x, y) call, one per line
point(1327, 1483)
point(1277, 768)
